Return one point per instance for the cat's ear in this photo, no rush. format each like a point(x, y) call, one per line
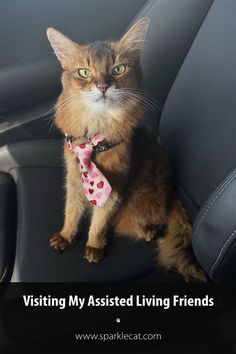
point(134, 39)
point(63, 47)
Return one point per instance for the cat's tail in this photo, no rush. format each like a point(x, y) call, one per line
point(175, 248)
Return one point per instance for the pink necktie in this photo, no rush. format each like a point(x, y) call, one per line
point(96, 187)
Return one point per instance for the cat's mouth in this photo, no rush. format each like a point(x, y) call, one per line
point(99, 100)
point(103, 98)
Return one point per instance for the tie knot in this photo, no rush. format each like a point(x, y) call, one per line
point(98, 138)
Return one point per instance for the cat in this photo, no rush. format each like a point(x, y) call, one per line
point(101, 109)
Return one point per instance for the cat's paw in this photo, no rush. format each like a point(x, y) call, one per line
point(149, 236)
point(59, 243)
point(93, 255)
point(152, 231)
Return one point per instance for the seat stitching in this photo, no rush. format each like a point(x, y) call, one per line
point(220, 191)
point(232, 234)
point(213, 195)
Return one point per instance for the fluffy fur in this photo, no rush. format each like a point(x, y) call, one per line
point(143, 199)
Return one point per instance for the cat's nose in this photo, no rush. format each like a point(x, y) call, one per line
point(102, 87)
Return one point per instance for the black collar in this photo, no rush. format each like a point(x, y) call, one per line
point(101, 147)
point(105, 145)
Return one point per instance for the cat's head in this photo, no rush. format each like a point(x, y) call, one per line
point(102, 75)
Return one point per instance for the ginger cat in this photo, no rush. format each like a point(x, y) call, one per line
point(101, 108)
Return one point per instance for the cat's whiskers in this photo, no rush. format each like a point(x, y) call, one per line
point(143, 98)
point(60, 108)
point(76, 95)
point(46, 113)
point(148, 93)
point(145, 104)
point(52, 125)
point(145, 94)
point(139, 98)
point(137, 95)
point(139, 91)
point(57, 105)
point(119, 101)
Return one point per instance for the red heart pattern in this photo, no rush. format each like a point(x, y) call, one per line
point(95, 185)
point(100, 185)
point(82, 146)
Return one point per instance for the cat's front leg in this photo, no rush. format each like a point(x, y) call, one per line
point(74, 209)
point(100, 223)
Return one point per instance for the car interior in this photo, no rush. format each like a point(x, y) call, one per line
point(189, 62)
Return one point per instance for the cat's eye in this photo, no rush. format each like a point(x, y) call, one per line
point(84, 73)
point(118, 70)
